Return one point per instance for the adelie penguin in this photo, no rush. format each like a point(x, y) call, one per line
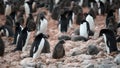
point(2, 47)
point(63, 22)
point(39, 45)
point(42, 24)
point(109, 39)
point(89, 18)
point(24, 36)
point(59, 51)
point(6, 30)
point(84, 29)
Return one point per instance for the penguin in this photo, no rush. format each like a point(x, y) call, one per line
point(101, 8)
point(89, 18)
point(59, 51)
point(8, 8)
point(7, 30)
point(24, 36)
point(18, 27)
point(63, 22)
point(42, 24)
point(28, 8)
point(9, 21)
point(2, 47)
point(109, 39)
point(39, 45)
point(84, 29)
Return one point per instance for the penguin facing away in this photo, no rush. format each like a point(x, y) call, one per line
point(39, 45)
point(109, 39)
point(2, 47)
point(59, 51)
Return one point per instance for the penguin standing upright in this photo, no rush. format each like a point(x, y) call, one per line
point(59, 50)
point(91, 22)
point(109, 39)
point(63, 22)
point(39, 45)
point(101, 8)
point(25, 35)
point(42, 23)
point(84, 29)
point(2, 47)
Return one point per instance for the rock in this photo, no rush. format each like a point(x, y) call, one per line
point(76, 31)
point(40, 65)
point(24, 55)
point(90, 66)
point(92, 50)
point(78, 38)
point(52, 66)
point(59, 65)
point(28, 62)
point(65, 37)
point(117, 59)
point(106, 66)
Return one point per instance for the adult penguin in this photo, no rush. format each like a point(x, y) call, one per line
point(84, 29)
point(42, 23)
point(25, 35)
point(89, 18)
point(59, 51)
point(63, 22)
point(39, 45)
point(109, 39)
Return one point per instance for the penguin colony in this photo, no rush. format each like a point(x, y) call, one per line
point(20, 23)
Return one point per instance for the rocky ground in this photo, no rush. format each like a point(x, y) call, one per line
point(78, 54)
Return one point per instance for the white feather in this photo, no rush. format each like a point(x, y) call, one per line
point(99, 11)
point(17, 39)
point(81, 3)
point(119, 14)
point(4, 1)
point(8, 10)
point(41, 45)
point(103, 1)
point(27, 0)
point(105, 40)
point(70, 23)
point(83, 30)
point(91, 4)
point(27, 9)
point(111, 2)
point(7, 33)
point(73, 16)
point(56, 1)
point(43, 26)
point(33, 5)
point(25, 46)
point(91, 22)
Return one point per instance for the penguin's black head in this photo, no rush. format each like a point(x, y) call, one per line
point(31, 25)
point(62, 41)
point(42, 15)
point(43, 35)
point(106, 31)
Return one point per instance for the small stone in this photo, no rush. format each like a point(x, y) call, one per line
point(92, 50)
point(117, 59)
point(90, 66)
point(64, 37)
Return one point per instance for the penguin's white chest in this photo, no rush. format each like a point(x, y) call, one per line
point(106, 44)
point(27, 9)
point(91, 22)
point(43, 26)
point(40, 47)
point(83, 30)
point(8, 10)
